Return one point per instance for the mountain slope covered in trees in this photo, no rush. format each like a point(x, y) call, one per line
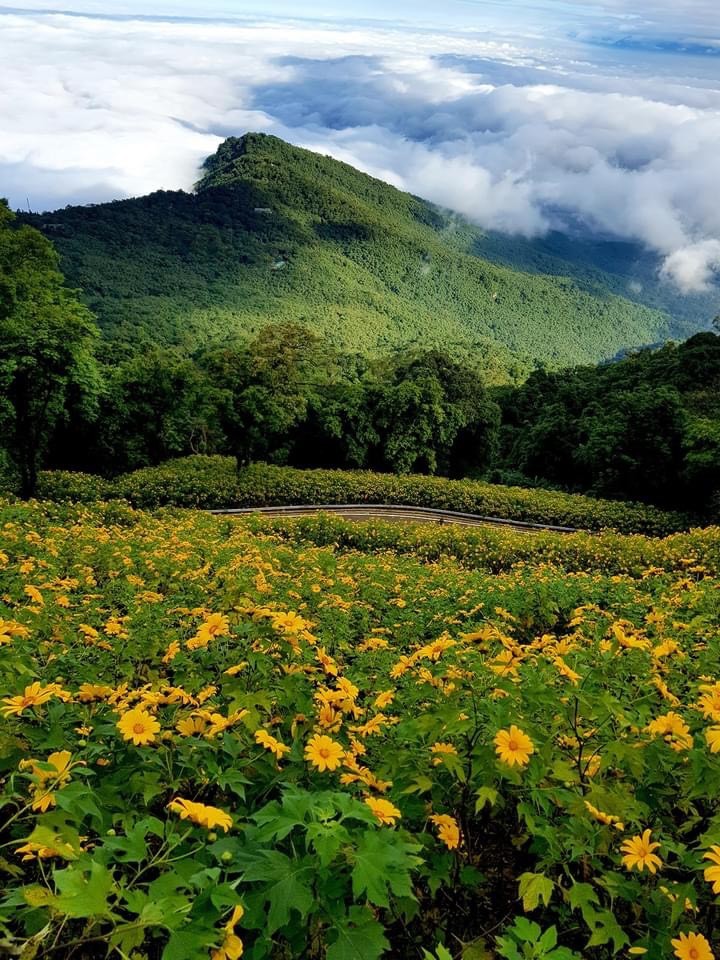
point(274, 233)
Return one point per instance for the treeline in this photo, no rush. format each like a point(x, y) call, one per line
point(646, 428)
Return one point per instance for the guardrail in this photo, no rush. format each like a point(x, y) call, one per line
point(383, 511)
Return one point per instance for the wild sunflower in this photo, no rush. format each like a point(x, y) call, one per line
point(385, 811)
point(271, 743)
point(324, 753)
point(638, 853)
point(33, 696)
point(513, 746)
point(712, 874)
point(201, 814)
point(138, 725)
point(448, 830)
point(692, 946)
point(232, 946)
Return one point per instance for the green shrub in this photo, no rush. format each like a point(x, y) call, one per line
point(213, 482)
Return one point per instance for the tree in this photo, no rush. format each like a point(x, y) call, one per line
point(433, 415)
point(47, 338)
point(267, 387)
point(633, 445)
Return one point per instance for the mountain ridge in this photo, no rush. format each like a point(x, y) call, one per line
point(273, 232)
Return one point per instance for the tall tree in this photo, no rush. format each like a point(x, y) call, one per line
point(47, 337)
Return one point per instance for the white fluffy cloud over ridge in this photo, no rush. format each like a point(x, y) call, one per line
point(519, 137)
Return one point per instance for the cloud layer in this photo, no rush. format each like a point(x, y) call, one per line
point(518, 135)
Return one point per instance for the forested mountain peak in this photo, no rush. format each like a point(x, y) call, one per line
point(275, 233)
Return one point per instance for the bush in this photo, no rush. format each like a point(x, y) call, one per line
point(213, 482)
point(496, 550)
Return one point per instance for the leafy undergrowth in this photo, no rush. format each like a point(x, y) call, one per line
point(214, 482)
point(216, 742)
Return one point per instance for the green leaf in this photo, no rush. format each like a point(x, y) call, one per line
point(83, 895)
point(383, 864)
point(582, 896)
point(359, 937)
point(606, 928)
point(485, 796)
point(533, 888)
point(189, 942)
point(286, 885)
point(527, 931)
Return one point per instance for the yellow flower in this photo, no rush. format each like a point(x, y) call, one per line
point(441, 749)
point(639, 853)
point(139, 726)
point(712, 874)
point(204, 816)
point(32, 849)
point(189, 726)
point(692, 946)
point(172, 651)
point(34, 595)
point(673, 728)
point(324, 753)
point(45, 781)
point(712, 736)
point(266, 740)
point(326, 662)
point(513, 746)
point(384, 699)
point(448, 830)
point(232, 945)
point(87, 692)
point(607, 818)
point(33, 696)
point(385, 811)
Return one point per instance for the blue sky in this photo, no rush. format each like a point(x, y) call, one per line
point(524, 115)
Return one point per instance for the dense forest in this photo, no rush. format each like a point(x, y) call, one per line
point(644, 428)
point(277, 234)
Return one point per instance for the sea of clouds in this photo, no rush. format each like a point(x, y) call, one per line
point(519, 131)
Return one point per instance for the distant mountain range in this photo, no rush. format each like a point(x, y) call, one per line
point(275, 233)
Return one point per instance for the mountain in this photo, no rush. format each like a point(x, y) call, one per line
point(273, 232)
point(603, 264)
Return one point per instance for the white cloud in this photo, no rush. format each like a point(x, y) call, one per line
point(693, 267)
point(517, 136)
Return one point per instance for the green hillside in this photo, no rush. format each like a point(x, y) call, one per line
point(277, 233)
point(601, 265)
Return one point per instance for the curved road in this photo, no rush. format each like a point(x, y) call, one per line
point(381, 511)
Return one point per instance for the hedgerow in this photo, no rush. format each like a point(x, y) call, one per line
point(213, 482)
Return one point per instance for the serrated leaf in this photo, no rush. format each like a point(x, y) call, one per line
point(285, 887)
point(359, 937)
point(533, 888)
point(606, 928)
point(83, 893)
point(485, 796)
point(383, 865)
point(582, 897)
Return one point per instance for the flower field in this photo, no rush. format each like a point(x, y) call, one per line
point(219, 739)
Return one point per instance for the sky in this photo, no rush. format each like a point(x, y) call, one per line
point(523, 115)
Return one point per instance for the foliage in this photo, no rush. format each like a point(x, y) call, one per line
point(214, 482)
point(169, 682)
point(644, 428)
point(47, 337)
point(275, 233)
point(497, 550)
